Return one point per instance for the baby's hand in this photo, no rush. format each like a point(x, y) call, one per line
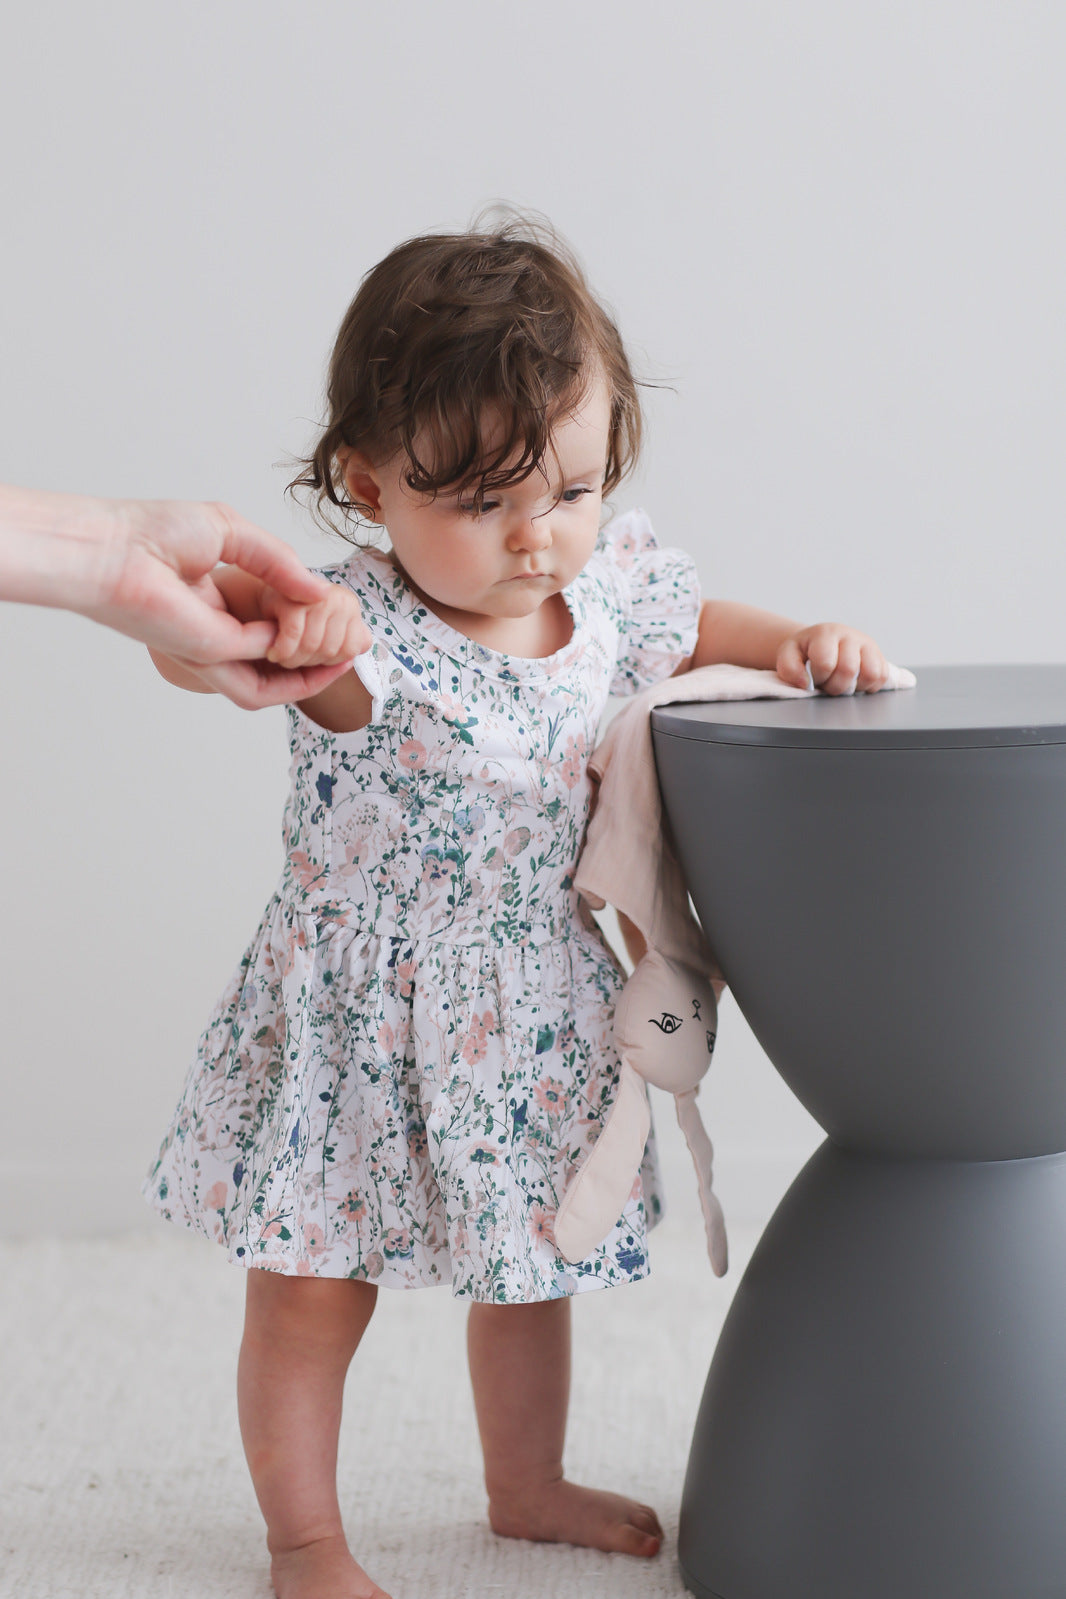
point(842, 660)
point(319, 634)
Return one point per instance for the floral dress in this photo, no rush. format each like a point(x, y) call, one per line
point(416, 1051)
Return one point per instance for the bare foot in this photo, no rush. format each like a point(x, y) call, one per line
point(323, 1569)
point(563, 1512)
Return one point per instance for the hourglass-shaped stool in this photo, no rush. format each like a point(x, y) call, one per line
point(883, 881)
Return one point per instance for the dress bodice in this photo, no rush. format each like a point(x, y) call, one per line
point(460, 810)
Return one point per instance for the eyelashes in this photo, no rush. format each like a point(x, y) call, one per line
point(492, 505)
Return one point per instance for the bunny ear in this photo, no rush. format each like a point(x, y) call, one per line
point(702, 1152)
point(596, 1197)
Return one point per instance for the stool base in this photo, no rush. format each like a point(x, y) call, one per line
point(885, 1414)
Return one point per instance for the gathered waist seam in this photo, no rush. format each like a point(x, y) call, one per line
point(533, 933)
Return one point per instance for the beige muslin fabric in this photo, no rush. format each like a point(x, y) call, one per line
point(629, 862)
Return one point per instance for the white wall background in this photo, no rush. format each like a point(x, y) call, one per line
point(836, 230)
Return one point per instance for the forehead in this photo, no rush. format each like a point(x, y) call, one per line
point(579, 435)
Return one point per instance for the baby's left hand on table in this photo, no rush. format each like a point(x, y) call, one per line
point(842, 660)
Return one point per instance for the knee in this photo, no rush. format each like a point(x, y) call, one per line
point(313, 1315)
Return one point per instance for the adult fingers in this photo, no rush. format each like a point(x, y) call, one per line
point(254, 685)
point(171, 615)
point(263, 555)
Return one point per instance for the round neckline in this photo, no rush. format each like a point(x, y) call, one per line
point(451, 638)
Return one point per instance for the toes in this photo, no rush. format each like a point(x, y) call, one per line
point(644, 1517)
point(634, 1540)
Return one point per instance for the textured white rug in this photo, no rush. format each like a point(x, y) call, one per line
point(121, 1470)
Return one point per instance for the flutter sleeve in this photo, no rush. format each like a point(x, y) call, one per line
point(658, 594)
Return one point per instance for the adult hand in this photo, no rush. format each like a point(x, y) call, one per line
point(255, 684)
point(142, 567)
point(154, 579)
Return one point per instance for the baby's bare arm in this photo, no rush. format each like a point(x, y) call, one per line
point(344, 707)
point(739, 635)
point(841, 659)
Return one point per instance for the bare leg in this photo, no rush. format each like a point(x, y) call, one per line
point(520, 1370)
point(299, 1336)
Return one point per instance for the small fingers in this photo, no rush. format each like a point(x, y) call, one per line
point(835, 666)
point(288, 647)
point(347, 634)
point(357, 636)
point(873, 672)
point(792, 663)
point(331, 631)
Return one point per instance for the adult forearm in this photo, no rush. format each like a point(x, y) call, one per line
point(55, 549)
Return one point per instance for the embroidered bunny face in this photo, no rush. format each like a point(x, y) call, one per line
point(666, 1022)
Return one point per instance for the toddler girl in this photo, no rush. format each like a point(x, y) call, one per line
point(416, 1052)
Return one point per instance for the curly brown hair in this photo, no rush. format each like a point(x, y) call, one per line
point(451, 327)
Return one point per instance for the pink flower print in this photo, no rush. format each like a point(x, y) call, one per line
point(289, 961)
point(306, 871)
point(354, 855)
point(452, 709)
point(550, 1095)
point(353, 1206)
point(432, 865)
point(625, 548)
point(274, 1228)
point(417, 1141)
point(540, 1225)
point(412, 755)
point(375, 1265)
point(386, 1038)
point(495, 860)
point(572, 768)
point(397, 1242)
point(215, 1198)
point(516, 841)
point(477, 1039)
point(314, 1239)
point(405, 971)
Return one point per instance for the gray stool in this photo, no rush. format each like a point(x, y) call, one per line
point(883, 880)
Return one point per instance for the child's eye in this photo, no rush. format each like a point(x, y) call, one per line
point(482, 510)
point(571, 496)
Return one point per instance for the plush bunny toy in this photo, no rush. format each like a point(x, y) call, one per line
point(666, 1015)
point(665, 1029)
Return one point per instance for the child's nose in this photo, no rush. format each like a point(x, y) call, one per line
point(530, 533)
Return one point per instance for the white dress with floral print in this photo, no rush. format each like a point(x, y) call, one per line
point(416, 1051)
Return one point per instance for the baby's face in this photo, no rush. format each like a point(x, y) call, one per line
point(529, 540)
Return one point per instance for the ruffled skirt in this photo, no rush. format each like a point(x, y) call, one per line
point(405, 1112)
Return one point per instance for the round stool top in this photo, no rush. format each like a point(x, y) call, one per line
point(961, 707)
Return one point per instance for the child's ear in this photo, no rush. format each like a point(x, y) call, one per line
point(362, 480)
